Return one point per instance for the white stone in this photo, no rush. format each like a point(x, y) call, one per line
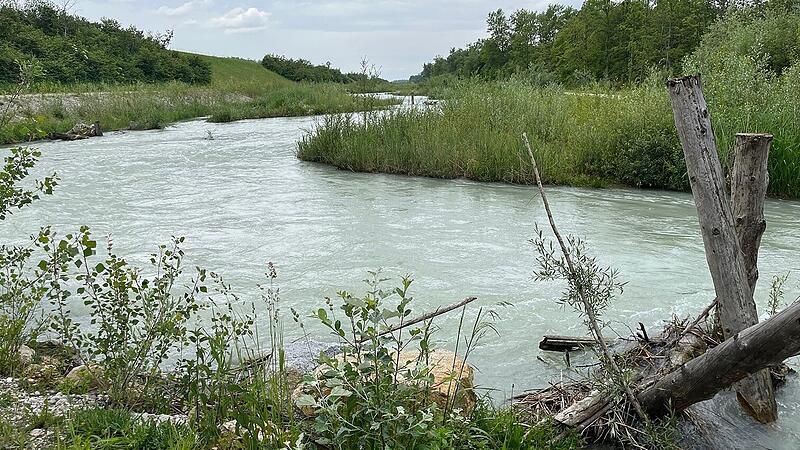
point(26, 355)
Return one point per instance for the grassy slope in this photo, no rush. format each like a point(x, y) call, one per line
point(231, 71)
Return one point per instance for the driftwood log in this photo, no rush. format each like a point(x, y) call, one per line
point(553, 343)
point(78, 132)
point(756, 348)
point(737, 310)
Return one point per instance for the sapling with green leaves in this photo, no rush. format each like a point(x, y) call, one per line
point(776, 293)
point(369, 397)
point(23, 285)
point(590, 287)
point(379, 391)
point(136, 322)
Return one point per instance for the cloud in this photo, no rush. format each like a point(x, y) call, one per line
point(183, 9)
point(240, 20)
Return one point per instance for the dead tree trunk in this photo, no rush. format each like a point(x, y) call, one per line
point(723, 254)
point(756, 348)
point(748, 194)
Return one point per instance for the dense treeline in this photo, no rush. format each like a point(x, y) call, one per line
point(303, 70)
point(71, 49)
point(616, 41)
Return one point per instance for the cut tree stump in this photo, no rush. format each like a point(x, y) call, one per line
point(723, 254)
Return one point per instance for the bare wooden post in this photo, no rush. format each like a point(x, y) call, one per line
point(723, 254)
point(748, 193)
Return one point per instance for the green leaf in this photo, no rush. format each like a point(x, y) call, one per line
point(339, 391)
point(306, 400)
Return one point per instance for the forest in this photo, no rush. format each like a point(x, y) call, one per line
point(68, 48)
point(617, 42)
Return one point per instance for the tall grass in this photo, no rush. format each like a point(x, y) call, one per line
point(590, 138)
point(302, 99)
point(597, 138)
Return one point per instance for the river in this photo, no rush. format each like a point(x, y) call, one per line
point(242, 199)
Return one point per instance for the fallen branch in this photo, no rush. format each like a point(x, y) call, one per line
point(696, 321)
point(439, 311)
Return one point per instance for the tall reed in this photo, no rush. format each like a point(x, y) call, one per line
point(597, 137)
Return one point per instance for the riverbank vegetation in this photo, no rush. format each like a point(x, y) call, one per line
point(239, 89)
point(71, 49)
point(228, 383)
point(84, 72)
point(596, 135)
point(616, 43)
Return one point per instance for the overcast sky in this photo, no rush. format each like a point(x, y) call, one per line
point(396, 35)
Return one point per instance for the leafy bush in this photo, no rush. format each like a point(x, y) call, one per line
point(136, 322)
point(303, 70)
point(369, 397)
point(22, 287)
point(751, 74)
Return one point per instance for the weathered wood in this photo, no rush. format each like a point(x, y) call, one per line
point(753, 349)
point(554, 343)
point(723, 254)
point(748, 193)
point(581, 411)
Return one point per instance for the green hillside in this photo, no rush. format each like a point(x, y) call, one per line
point(227, 71)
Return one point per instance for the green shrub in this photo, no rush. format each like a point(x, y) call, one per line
point(751, 80)
point(135, 322)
